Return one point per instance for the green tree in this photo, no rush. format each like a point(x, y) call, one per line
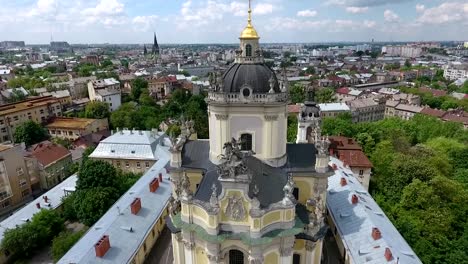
point(64, 242)
point(96, 173)
point(138, 85)
point(30, 133)
point(292, 128)
point(96, 109)
point(325, 95)
point(91, 204)
point(297, 94)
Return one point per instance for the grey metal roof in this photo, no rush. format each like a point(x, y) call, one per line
point(355, 222)
point(54, 196)
point(257, 76)
point(270, 180)
point(128, 144)
point(125, 244)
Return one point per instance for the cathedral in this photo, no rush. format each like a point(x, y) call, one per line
point(246, 195)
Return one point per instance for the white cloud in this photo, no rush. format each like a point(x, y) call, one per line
point(339, 25)
point(307, 13)
point(263, 9)
point(144, 23)
point(391, 16)
point(420, 8)
point(445, 13)
point(363, 3)
point(356, 10)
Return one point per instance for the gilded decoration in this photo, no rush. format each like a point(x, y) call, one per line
point(235, 208)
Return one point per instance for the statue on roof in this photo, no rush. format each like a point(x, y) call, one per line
point(233, 160)
point(185, 184)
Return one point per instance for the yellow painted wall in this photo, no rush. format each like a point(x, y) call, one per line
point(270, 218)
point(200, 256)
point(305, 190)
point(272, 258)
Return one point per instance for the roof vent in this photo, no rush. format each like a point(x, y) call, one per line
point(376, 234)
point(388, 254)
point(127, 228)
point(102, 246)
point(343, 181)
point(354, 199)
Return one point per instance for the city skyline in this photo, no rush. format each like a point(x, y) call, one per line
point(219, 21)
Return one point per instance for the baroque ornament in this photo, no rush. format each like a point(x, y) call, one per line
point(232, 160)
point(235, 208)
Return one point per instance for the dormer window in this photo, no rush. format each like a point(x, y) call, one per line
point(248, 50)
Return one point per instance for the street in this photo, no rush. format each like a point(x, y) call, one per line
point(161, 253)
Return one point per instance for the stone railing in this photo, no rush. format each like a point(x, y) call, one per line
point(254, 98)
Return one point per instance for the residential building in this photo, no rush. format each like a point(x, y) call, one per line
point(38, 110)
point(367, 109)
point(63, 96)
point(8, 94)
point(362, 231)
point(107, 90)
point(6, 74)
point(407, 51)
point(15, 183)
point(51, 160)
point(79, 87)
point(333, 109)
point(73, 128)
point(131, 227)
point(455, 71)
point(159, 88)
point(51, 200)
point(401, 110)
point(350, 153)
point(345, 94)
point(130, 150)
point(375, 86)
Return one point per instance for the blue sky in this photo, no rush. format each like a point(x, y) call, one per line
point(220, 21)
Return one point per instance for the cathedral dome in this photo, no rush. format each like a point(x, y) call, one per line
point(257, 77)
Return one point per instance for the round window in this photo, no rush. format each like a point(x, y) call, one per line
point(246, 92)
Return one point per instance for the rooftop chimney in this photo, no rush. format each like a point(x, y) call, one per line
point(343, 181)
point(38, 205)
point(160, 177)
point(354, 199)
point(376, 233)
point(154, 185)
point(102, 246)
point(388, 254)
point(135, 206)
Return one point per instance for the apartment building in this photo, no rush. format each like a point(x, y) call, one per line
point(333, 109)
point(38, 110)
point(159, 88)
point(107, 90)
point(15, 183)
point(367, 109)
point(74, 128)
point(455, 71)
point(130, 150)
point(401, 110)
point(51, 161)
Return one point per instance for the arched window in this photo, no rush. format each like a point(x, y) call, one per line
point(248, 50)
point(296, 193)
point(246, 142)
point(236, 257)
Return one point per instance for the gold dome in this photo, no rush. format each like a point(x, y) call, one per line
point(249, 33)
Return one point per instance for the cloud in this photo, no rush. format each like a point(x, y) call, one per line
point(391, 16)
point(338, 25)
point(420, 8)
point(144, 23)
point(364, 3)
point(356, 10)
point(307, 13)
point(263, 9)
point(445, 13)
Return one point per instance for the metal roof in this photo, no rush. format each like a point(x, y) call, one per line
point(354, 222)
point(129, 144)
point(334, 107)
point(54, 196)
point(125, 244)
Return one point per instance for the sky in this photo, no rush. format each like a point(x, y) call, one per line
point(221, 21)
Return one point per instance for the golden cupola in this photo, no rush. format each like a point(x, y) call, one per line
point(249, 32)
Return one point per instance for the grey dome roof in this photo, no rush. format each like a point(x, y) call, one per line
point(257, 76)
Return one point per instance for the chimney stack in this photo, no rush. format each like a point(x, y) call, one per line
point(38, 205)
point(135, 206)
point(154, 185)
point(354, 199)
point(343, 181)
point(388, 254)
point(102, 246)
point(160, 177)
point(376, 234)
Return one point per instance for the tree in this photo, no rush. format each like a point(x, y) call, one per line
point(138, 85)
point(292, 128)
point(30, 133)
point(325, 95)
point(408, 64)
point(64, 242)
point(97, 110)
point(91, 204)
point(96, 173)
point(297, 94)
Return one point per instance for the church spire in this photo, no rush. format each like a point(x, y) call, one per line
point(155, 49)
point(249, 31)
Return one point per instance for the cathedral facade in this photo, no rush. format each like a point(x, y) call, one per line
point(246, 195)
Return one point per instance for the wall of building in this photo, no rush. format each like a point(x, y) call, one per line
point(127, 165)
point(54, 173)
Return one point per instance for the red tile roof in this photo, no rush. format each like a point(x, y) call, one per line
point(456, 118)
point(354, 158)
point(433, 112)
point(47, 153)
point(339, 143)
point(343, 90)
point(434, 92)
point(294, 108)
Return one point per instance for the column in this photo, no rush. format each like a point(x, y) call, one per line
point(188, 249)
point(310, 246)
point(286, 255)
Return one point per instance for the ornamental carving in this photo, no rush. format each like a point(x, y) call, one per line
point(233, 160)
point(271, 117)
point(189, 245)
point(322, 145)
point(185, 186)
point(221, 117)
point(212, 258)
point(235, 208)
point(310, 245)
point(255, 260)
point(286, 251)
